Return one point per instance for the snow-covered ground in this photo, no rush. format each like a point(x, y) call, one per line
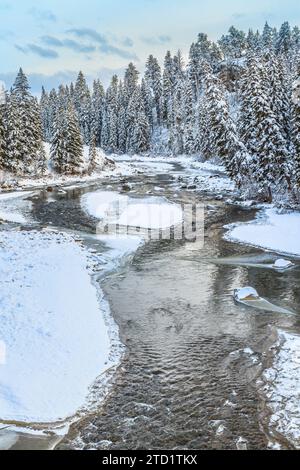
point(56, 336)
point(271, 230)
point(282, 388)
point(104, 167)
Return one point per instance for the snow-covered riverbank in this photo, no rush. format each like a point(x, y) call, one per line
point(281, 388)
point(56, 337)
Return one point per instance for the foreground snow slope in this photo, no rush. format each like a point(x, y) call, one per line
point(55, 335)
point(272, 230)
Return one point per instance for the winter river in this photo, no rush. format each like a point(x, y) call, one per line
point(184, 366)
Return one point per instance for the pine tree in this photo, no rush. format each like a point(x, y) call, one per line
point(97, 110)
point(131, 120)
point(189, 144)
point(284, 41)
point(110, 128)
point(45, 111)
point(92, 156)
point(233, 44)
point(177, 129)
point(268, 39)
point(167, 90)
point(280, 96)
point(153, 79)
point(141, 133)
point(66, 146)
point(147, 102)
point(122, 130)
point(25, 153)
point(130, 82)
point(221, 134)
point(58, 141)
point(296, 129)
point(2, 137)
point(82, 103)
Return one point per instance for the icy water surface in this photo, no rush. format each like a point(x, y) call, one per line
point(194, 358)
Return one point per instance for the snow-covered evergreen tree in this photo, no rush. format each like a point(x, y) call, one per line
point(284, 40)
point(233, 44)
point(82, 103)
point(153, 79)
point(110, 127)
point(92, 156)
point(141, 133)
point(268, 38)
point(45, 115)
point(2, 137)
point(97, 110)
point(221, 134)
point(167, 90)
point(296, 129)
point(189, 124)
point(66, 145)
point(177, 130)
point(24, 145)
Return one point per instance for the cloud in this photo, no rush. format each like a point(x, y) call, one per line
point(127, 42)
point(68, 43)
point(112, 50)
point(88, 33)
point(156, 40)
point(40, 51)
point(42, 15)
point(104, 46)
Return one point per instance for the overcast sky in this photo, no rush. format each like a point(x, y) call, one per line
point(53, 39)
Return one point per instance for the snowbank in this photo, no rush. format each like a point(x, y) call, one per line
point(282, 388)
point(56, 337)
point(273, 231)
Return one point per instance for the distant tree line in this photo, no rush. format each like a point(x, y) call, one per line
point(236, 99)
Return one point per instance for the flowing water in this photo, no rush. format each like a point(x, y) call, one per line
point(188, 379)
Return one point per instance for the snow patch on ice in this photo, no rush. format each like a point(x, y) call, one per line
point(271, 230)
point(148, 212)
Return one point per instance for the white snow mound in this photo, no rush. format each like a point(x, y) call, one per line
point(282, 264)
point(246, 293)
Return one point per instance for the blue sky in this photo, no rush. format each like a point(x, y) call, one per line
point(53, 39)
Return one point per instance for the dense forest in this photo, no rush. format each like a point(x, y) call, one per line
point(237, 99)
